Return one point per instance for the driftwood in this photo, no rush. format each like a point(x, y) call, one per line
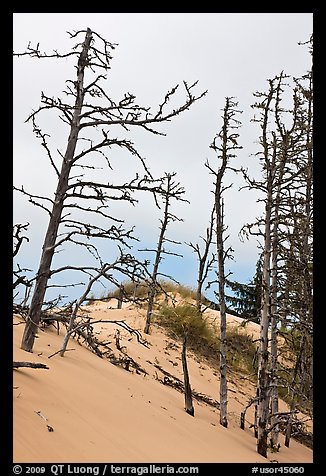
point(84, 330)
point(49, 427)
point(32, 365)
point(243, 413)
point(126, 362)
point(177, 384)
point(187, 387)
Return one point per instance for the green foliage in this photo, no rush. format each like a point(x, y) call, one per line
point(292, 339)
point(183, 318)
point(246, 301)
point(294, 374)
point(176, 288)
point(131, 289)
point(242, 351)
point(140, 290)
point(203, 338)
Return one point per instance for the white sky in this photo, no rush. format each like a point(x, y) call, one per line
point(231, 54)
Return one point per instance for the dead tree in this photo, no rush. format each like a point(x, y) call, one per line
point(130, 267)
point(228, 140)
point(204, 262)
point(279, 144)
point(284, 147)
point(299, 282)
point(187, 388)
point(18, 239)
point(243, 413)
point(31, 365)
point(120, 296)
point(90, 109)
point(268, 158)
point(173, 190)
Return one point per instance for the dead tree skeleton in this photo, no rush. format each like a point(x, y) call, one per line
point(187, 388)
point(20, 278)
point(130, 267)
point(83, 114)
point(279, 155)
point(229, 143)
point(173, 190)
point(204, 262)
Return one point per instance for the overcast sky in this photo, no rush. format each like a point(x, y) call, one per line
point(230, 54)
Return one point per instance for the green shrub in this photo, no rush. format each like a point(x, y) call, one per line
point(241, 351)
point(203, 339)
point(132, 290)
point(140, 290)
point(186, 317)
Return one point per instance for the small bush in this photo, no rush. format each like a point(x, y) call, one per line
point(204, 340)
point(241, 350)
point(132, 290)
point(140, 290)
point(186, 317)
point(181, 289)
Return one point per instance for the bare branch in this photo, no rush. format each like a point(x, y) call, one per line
point(17, 229)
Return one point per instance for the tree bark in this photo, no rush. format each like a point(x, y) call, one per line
point(204, 264)
point(219, 210)
point(223, 347)
point(263, 351)
point(159, 251)
point(43, 273)
point(263, 390)
point(120, 297)
point(31, 365)
point(256, 415)
point(274, 347)
point(228, 144)
point(187, 388)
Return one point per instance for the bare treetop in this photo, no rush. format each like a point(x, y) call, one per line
point(94, 54)
point(125, 111)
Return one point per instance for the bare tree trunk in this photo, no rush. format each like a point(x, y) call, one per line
point(288, 430)
point(117, 337)
point(263, 353)
point(152, 289)
point(43, 273)
point(280, 167)
point(77, 305)
point(225, 151)
point(204, 264)
point(31, 365)
point(274, 347)
point(263, 390)
point(120, 297)
point(199, 295)
point(256, 415)
point(187, 388)
point(173, 190)
point(70, 328)
point(243, 413)
point(223, 347)
point(273, 293)
point(269, 156)
point(296, 371)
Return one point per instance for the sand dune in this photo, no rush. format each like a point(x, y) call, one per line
point(102, 413)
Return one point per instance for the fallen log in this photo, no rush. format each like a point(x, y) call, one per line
point(32, 365)
point(174, 382)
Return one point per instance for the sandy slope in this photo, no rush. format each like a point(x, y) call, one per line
point(102, 413)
